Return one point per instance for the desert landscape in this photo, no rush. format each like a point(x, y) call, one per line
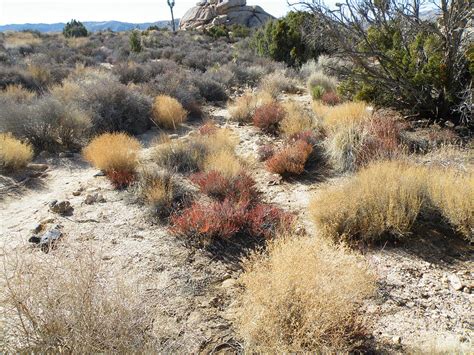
point(243, 184)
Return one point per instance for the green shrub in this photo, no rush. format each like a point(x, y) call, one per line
point(75, 28)
point(135, 42)
point(283, 40)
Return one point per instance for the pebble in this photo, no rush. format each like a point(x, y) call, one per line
point(455, 282)
point(61, 207)
point(91, 199)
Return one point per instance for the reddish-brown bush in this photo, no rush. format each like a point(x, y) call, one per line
point(306, 136)
point(265, 152)
point(208, 128)
point(291, 160)
point(268, 117)
point(265, 220)
point(216, 185)
point(331, 98)
point(121, 179)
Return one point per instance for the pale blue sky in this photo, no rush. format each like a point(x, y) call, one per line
point(50, 11)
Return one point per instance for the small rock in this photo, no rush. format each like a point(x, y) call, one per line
point(229, 283)
point(38, 167)
point(466, 290)
point(99, 174)
point(66, 155)
point(455, 282)
point(77, 193)
point(47, 240)
point(173, 136)
point(397, 339)
point(449, 124)
point(63, 207)
point(91, 199)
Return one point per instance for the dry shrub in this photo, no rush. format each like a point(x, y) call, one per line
point(161, 191)
point(330, 99)
point(386, 199)
point(18, 93)
point(296, 120)
point(342, 115)
point(452, 193)
point(243, 109)
point(268, 117)
point(14, 154)
point(116, 154)
point(218, 186)
point(168, 112)
point(328, 83)
point(291, 160)
point(66, 302)
point(224, 162)
point(277, 83)
point(21, 39)
point(265, 152)
point(204, 224)
point(303, 295)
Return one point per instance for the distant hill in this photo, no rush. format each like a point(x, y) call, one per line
point(91, 26)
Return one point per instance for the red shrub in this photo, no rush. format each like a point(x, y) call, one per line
point(268, 117)
point(202, 224)
point(264, 220)
point(265, 152)
point(290, 160)
point(215, 185)
point(383, 139)
point(307, 136)
point(121, 179)
point(330, 98)
point(208, 128)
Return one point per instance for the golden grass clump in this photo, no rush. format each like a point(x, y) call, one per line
point(342, 115)
point(386, 199)
point(224, 162)
point(14, 154)
point(168, 112)
point(116, 154)
point(276, 83)
point(66, 302)
point(452, 193)
point(18, 93)
point(21, 39)
point(243, 108)
point(297, 120)
point(303, 295)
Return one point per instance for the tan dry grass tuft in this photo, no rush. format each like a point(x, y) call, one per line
point(224, 162)
point(20, 39)
point(14, 154)
point(342, 115)
point(276, 83)
point(113, 152)
point(168, 112)
point(18, 94)
point(386, 199)
point(244, 106)
point(303, 295)
point(66, 302)
point(297, 120)
point(328, 83)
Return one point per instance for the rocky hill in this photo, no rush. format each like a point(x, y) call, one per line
point(208, 13)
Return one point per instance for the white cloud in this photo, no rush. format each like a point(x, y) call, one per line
point(50, 11)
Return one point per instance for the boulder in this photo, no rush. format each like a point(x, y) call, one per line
point(209, 13)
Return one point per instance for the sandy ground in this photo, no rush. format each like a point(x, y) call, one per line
point(192, 291)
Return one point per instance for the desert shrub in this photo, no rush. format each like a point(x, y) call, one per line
point(14, 154)
point(12, 76)
point(131, 72)
point(181, 156)
point(321, 80)
point(66, 301)
point(229, 220)
point(218, 186)
point(74, 29)
point(223, 161)
point(114, 106)
point(452, 194)
point(168, 112)
point(291, 302)
point(116, 154)
point(291, 160)
point(296, 120)
point(268, 117)
point(135, 41)
point(283, 41)
point(243, 109)
point(210, 89)
point(341, 115)
point(277, 83)
point(17, 94)
point(317, 92)
point(47, 123)
point(265, 152)
point(330, 99)
point(161, 191)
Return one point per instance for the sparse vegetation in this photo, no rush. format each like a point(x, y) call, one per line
point(290, 160)
point(268, 117)
point(14, 154)
point(116, 154)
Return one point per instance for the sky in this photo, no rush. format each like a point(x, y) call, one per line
point(136, 11)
